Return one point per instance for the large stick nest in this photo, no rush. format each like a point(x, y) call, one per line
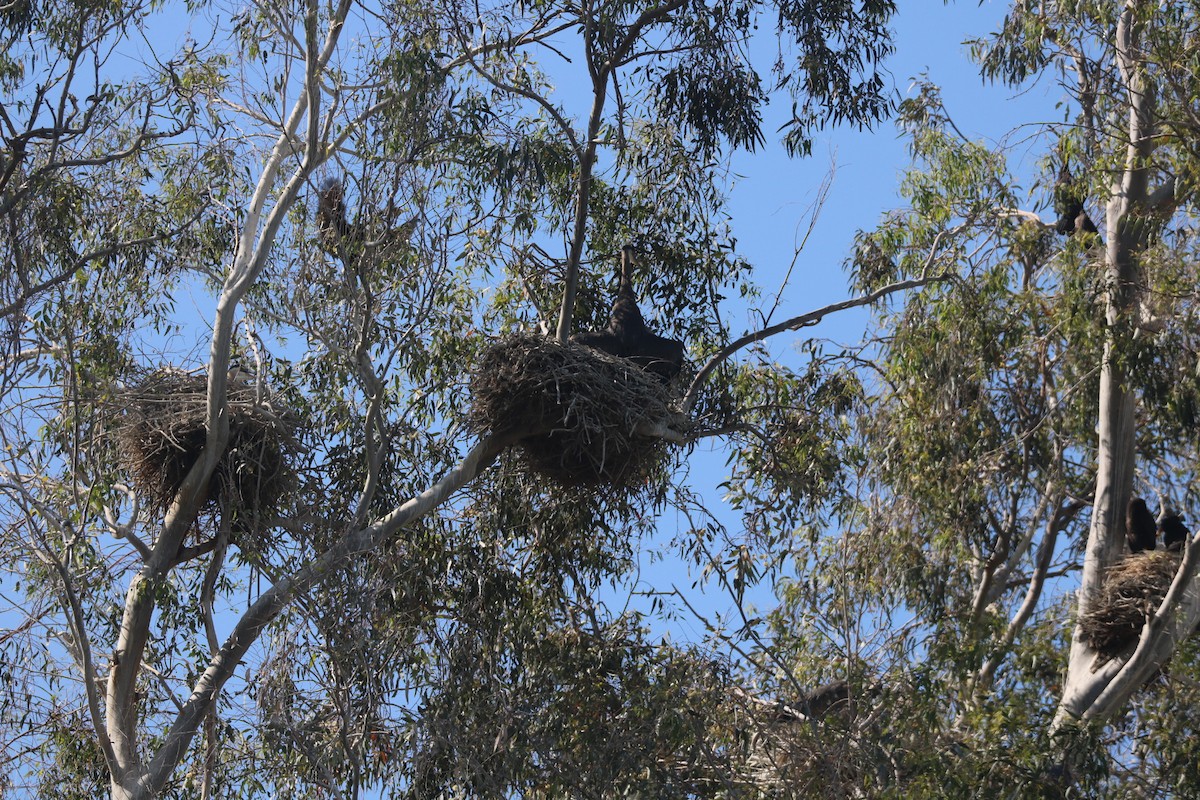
point(162, 431)
point(577, 411)
point(1132, 591)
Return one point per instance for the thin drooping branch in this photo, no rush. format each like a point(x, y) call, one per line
point(796, 323)
point(72, 267)
point(549, 108)
point(81, 647)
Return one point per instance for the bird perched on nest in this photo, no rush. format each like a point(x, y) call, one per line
point(331, 214)
point(627, 335)
point(1140, 527)
point(1174, 532)
point(1068, 203)
point(237, 374)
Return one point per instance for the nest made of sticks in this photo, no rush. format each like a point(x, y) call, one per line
point(161, 432)
point(577, 411)
point(1132, 591)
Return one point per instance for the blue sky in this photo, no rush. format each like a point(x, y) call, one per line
point(774, 196)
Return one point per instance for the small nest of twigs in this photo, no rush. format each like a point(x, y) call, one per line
point(161, 433)
point(577, 411)
point(1133, 589)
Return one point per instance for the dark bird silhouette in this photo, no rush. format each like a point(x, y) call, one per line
point(1068, 204)
point(1140, 527)
point(331, 214)
point(825, 699)
point(627, 335)
point(1174, 532)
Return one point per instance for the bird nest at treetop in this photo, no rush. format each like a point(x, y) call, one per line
point(1133, 589)
point(577, 412)
point(162, 431)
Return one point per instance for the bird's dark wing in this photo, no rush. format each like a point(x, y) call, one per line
point(599, 340)
point(1174, 532)
point(657, 355)
point(1140, 527)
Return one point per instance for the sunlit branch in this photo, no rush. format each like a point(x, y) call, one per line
point(1037, 581)
point(796, 323)
point(272, 602)
point(1145, 654)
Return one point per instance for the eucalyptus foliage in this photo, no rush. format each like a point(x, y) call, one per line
point(418, 616)
point(934, 507)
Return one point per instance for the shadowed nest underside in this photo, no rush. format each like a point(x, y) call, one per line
point(576, 411)
point(1133, 589)
point(161, 432)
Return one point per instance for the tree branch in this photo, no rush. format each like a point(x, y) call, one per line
point(1147, 654)
point(272, 602)
point(795, 323)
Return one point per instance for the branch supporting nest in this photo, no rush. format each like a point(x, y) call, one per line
point(580, 416)
point(161, 433)
point(1132, 591)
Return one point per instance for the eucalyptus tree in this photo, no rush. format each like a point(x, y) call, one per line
point(413, 612)
point(1013, 413)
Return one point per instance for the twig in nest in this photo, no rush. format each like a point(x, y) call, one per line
point(581, 415)
point(1132, 591)
point(162, 432)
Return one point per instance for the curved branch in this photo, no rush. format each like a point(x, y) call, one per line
point(795, 323)
point(284, 591)
point(1059, 520)
point(1146, 655)
point(253, 247)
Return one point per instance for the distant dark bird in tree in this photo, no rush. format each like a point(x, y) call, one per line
point(627, 335)
point(1174, 532)
point(331, 215)
point(824, 699)
point(1068, 204)
point(1140, 527)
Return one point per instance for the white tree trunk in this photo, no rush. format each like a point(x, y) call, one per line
point(1091, 692)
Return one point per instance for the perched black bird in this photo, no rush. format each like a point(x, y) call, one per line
point(1174, 532)
point(331, 214)
point(1068, 204)
point(824, 699)
point(1140, 527)
point(627, 335)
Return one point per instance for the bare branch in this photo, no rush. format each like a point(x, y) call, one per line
point(795, 323)
point(1057, 523)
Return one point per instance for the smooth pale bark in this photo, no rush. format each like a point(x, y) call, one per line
point(265, 215)
point(272, 602)
point(1115, 427)
point(300, 148)
point(1091, 692)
